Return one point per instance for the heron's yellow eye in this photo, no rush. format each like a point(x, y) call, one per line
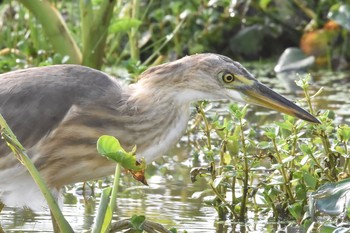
point(228, 78)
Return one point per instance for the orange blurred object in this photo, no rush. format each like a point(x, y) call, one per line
point(318, 42)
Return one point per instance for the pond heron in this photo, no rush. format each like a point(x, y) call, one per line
point(58, 112)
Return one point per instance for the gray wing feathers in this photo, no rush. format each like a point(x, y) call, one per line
point(35, 100)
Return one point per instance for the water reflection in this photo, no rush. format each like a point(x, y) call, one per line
point(168, 200)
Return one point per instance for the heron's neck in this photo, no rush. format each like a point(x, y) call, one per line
point(161, 120)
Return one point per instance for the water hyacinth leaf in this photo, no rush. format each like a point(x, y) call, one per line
point(109, 146)
point(332, 198)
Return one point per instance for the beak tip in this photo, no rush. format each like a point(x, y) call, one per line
point(309, 118)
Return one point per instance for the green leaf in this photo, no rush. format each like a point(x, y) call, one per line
point(107, 220)
point(109, 147)
point(296, 210)
point(310, 180)
point(285, 125)
point(124, 25)
point(270, 134)
point(173, 230)
point(137, 221)
point(217, 181)
point(305, 149)
point(102, 217)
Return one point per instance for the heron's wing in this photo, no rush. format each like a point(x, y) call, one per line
point(34, 101)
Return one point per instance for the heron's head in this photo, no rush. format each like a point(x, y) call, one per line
point(213, 76)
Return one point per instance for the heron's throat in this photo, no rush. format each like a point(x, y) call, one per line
point(161, 122)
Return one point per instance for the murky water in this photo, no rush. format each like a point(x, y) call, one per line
point(167, 199)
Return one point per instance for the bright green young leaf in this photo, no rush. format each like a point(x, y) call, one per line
point(109, 146)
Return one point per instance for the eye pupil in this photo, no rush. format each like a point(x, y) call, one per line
point(228, 78)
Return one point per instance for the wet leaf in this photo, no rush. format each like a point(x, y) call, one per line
point(293, 59)
point(332, 198)
point(341, 14)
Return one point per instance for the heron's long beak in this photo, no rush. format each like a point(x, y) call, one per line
point(261, 95)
